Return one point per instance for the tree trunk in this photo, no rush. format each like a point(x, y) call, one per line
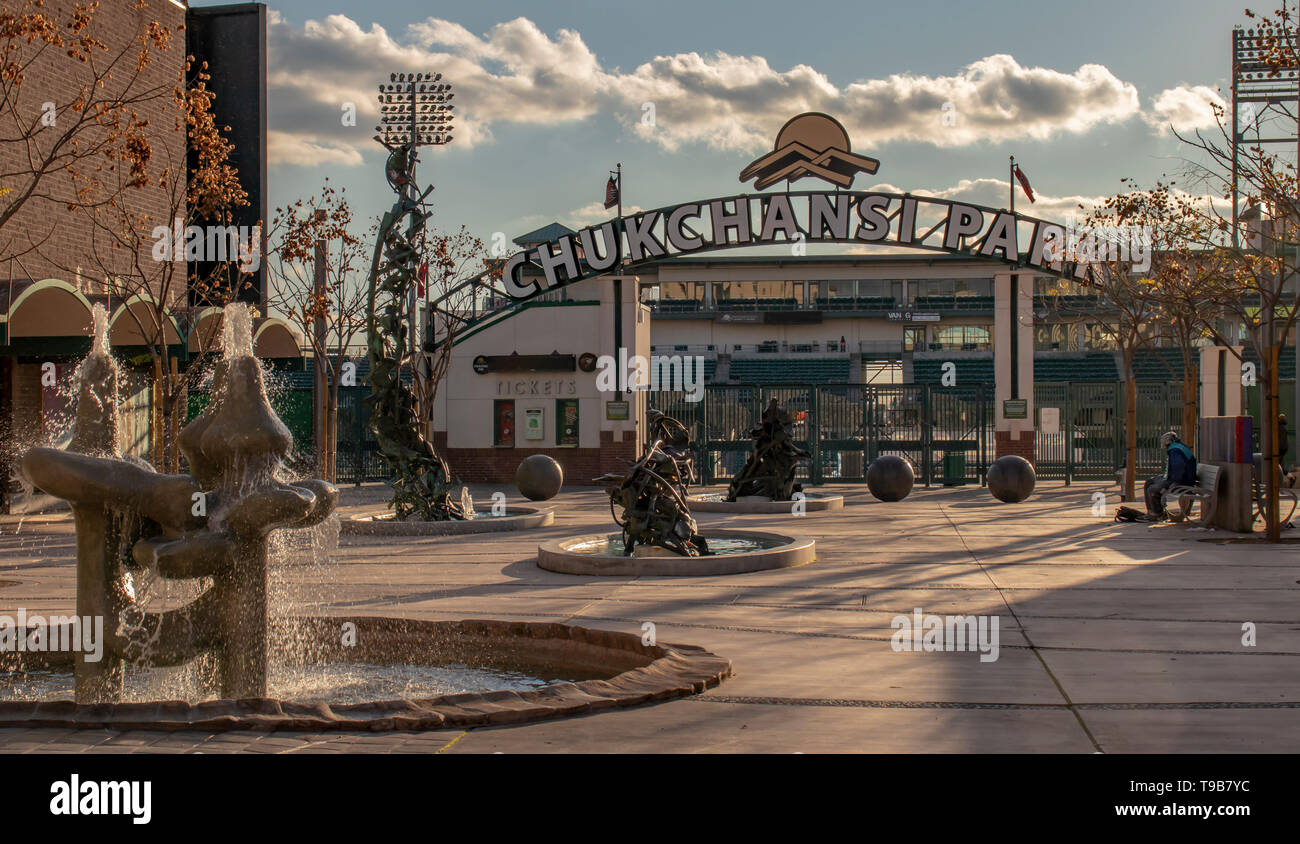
point(157, 401)
point(177, 391)
point(1130, 428)
point(1191, 408)
point(1268, 436)
point(332, 434)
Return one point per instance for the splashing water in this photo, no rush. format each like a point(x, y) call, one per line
point(237, 331)
point(99, 322)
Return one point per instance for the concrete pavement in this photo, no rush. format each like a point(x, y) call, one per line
point(1113, 637)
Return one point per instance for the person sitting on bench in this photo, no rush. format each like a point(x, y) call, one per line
point(1181, 471)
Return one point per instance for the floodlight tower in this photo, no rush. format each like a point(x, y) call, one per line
point(414, 110)
point(1265, 102)
point(1261, 94)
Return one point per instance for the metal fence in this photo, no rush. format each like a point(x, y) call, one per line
point(844, 427)
point(945, 432)
point(358, 456)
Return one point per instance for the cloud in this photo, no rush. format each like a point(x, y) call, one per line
point(1185, 108)
point(595, 212)
point(517, 74)
point(993, 193)
point(287, 148)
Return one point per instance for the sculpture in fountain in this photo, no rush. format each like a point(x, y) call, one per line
point(769, 471)
point(213, 523)
point(652, 494)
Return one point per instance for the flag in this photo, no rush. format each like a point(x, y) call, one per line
point(611, 193)
point(423, 279)
point(1024, 183)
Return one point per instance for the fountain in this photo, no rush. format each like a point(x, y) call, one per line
point(129, 517)
point(211, 529)
point(766, 483)
point(659, 535)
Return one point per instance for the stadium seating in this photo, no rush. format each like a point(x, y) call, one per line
point(1093, 366)
point(1285, 362)
point(790, 370)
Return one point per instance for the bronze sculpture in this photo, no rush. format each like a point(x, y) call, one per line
point(652, 495)
point(769, 471)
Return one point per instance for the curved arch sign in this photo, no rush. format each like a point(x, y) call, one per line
point(811, 145)
point(860, 218)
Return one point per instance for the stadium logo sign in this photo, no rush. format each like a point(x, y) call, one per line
point(811, 145)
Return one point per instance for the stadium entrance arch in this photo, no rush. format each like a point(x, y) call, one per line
point(816, 146)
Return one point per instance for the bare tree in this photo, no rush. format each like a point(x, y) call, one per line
point(1124, 297)
point(1172, 225)
point(451, 260)
point(331, 315)
point(1248, 262)
point(46, 138)
point(143, 251)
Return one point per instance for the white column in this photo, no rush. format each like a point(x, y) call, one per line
point(1017, 316)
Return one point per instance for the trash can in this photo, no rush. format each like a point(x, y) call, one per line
point(954, 469)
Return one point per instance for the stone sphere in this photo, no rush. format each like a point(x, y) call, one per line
point(890, 477)
point(1011, 478)
point(539, 477)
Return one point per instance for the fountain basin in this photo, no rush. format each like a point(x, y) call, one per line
point(384, 524)
point(623, 671)
point(716, 502)
point(741, 551)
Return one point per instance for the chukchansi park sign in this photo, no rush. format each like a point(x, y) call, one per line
point(884, 219)
point(809, 145)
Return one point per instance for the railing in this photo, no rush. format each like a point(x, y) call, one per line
point(784, 348)
point(683, 348)
point(955, 347)
point(860, 304)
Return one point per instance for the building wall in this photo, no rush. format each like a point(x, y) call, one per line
point(724, 336)
point(464, 425)
point(54, 77)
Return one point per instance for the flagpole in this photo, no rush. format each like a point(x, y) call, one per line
point(618, 178)
point(618, 280)
point(1011, 183)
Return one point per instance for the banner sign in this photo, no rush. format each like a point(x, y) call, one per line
point(800, 217)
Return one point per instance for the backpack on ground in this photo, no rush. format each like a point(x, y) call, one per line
point(1129, 514)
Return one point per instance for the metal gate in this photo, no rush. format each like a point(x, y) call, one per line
point(843, 426)
point(946, 433)
point(358, 452)
point(1089, 442)
point(846, 426)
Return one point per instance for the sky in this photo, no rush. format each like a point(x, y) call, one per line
point(551, 95)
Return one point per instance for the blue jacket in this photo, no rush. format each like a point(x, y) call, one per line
point(1182, 465)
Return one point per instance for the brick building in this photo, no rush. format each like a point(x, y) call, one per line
point(54, 261)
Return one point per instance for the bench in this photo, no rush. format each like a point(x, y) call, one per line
point(1204, 492)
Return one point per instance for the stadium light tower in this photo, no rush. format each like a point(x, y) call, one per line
point(415, 110)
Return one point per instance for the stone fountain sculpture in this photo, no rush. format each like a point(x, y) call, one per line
point(652, 494)
point(213, 523)
point(769, 471)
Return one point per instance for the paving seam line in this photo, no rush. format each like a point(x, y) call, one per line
point(1078, 716)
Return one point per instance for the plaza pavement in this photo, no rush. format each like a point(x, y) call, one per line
point(1117, 638)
